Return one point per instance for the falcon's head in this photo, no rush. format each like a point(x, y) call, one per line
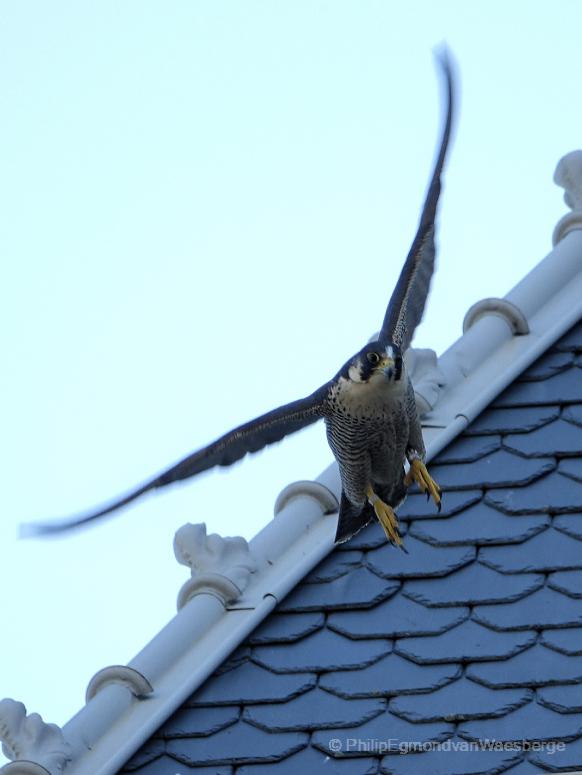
point(375, 363)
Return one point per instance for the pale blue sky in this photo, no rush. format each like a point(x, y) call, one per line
point(205, 206)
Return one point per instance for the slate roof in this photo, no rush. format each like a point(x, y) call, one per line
point(474, 636)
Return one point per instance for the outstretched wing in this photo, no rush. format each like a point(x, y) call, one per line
point(250, 437)
point(407, 303)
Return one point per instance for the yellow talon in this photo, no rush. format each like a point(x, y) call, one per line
point(386, 517)
point(419, 474)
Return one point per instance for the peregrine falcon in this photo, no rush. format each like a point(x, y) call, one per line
point(368, 408)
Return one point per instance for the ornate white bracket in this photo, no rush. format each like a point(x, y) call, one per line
point(568, 175)
point(512, 315)
point(319, 492)
point(426, 377)
point(220, 566)
point(132, 679)
point(40, 748)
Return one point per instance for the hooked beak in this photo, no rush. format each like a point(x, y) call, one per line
point(386, 366)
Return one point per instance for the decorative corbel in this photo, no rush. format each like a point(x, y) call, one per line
point(35, 747)
point(568, 175)
point(220, 566)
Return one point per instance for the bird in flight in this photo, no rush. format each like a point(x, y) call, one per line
point(369, 408)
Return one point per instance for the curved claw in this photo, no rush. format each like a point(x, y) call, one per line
point(419, 474)
point(387, 518)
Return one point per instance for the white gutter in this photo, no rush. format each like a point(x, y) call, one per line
point(235, 586)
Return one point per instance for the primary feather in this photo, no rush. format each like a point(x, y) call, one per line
point(228, 449)
point(406, 305)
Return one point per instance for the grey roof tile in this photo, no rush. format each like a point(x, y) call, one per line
point(479, 524)
point(452, 758)
point(335, 565)
point(314, 710)
point(469, 642)
point(562, 699)
point(571, 467)
point(239, 744)
point(422, 560)
point(571, 524)
point(563, 388)
point(571, 341)
point(286, 628)
point(573, 413)
point(537, 666)
point(563, 757)
point(383, 733)
point(398, 616)
point(416, 505)
point(251, 683)
point(559, 438)
point(544, 608)
point(359, 589)
point(568, 582)
point(197, 722)
point(238, 656)
point(518, 420)
point(149, 752)
point(525, 768)
point(324, 650)
point(499, 469)
point(472, 585)
point(467, 449)
point(460, 701)
point(532, 722)
point(551, 363)
point(551, 550)
point(312, 762)
point(567, 640)
point(168, 766)
point(391, 675)
point(555, 492)
point(367, 538)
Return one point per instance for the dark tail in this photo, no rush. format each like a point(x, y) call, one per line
point(351, 519)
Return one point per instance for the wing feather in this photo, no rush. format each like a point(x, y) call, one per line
point(234, 445)
point(408, 300)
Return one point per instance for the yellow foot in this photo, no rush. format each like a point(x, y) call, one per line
point(421, 476)
point(386, 517)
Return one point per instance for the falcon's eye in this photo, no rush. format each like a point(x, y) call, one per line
point(373, 358)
